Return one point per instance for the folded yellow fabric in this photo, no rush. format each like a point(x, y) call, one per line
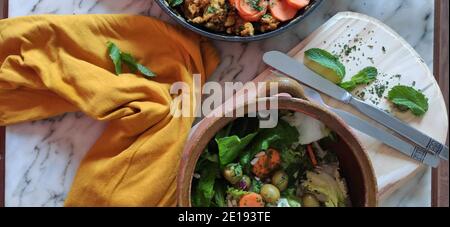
point(56, 64)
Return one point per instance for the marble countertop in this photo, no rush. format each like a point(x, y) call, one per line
point(42, 156)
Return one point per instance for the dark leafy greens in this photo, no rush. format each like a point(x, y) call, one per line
point(205, 187)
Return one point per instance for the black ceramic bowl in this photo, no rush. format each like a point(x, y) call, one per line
point(234, 38)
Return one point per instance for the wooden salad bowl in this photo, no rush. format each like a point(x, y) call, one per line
point(354, 162)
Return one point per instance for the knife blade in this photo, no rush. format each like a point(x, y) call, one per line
point(301, 73)
point(415, 152)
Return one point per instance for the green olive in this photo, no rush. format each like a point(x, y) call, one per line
point(270, 193)
point(280, 179)
point(245, 183)
point(309, 200)
point(233, 173)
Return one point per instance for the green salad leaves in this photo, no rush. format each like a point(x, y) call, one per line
point(204, 191)
point(233, 144)
point(231, 147)
point(406, 98)
point(118, 58)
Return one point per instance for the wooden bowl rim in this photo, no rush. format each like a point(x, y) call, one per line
point(194, 147)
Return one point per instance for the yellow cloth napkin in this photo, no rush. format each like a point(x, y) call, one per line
point(55, 64)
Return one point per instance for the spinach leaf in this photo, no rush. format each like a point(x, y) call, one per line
point(205, 158)
point(231, 147)
point(409, 98)
point(219, 194)
point(365, 76)
point(204, 190)
point(280, 137)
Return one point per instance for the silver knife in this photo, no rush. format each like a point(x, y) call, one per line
point(300, 72)
point(415, 152)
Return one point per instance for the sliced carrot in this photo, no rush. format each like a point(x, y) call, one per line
point(251, 200)
point(281, 10)
point(253, 18)
point(247, 10)
point(247, 7)
point(267, 163)
point(298, 4)
point(311, 155)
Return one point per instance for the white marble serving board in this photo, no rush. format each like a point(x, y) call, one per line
point(379, 46)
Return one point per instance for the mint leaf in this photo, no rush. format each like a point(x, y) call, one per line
point(409, 98)
point(114, 54)
point(325, 64)
point(365, 76)
point(117, 56)
point(231, 147)
point(134, 66)
point(130, 61)
point(144, 70)
point(175, 3)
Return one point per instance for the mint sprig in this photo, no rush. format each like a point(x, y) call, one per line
point(365, 76)
point(118, 57)
point(406, 97)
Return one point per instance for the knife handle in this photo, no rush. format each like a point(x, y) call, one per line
point(415, 152)
point(424, 141)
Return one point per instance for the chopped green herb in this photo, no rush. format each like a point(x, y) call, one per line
point(211, 9)
point(256, 4)
point(380, 89)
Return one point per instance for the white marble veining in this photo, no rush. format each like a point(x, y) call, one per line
point(42, 157)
